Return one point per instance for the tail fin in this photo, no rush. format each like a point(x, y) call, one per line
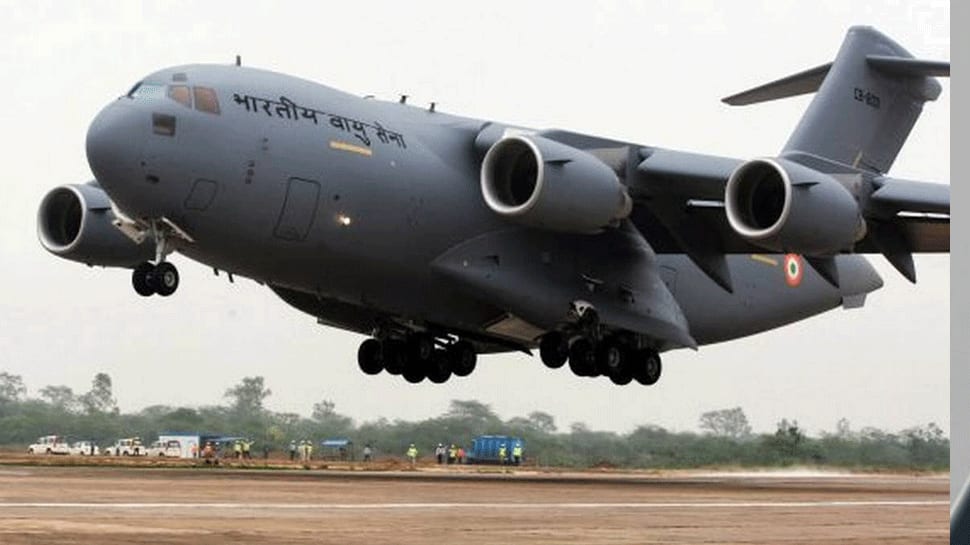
point(867, 101)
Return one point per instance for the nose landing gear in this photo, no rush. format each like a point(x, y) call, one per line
point(162, 277)
point(148, 279)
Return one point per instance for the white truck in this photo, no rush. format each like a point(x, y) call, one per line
point(165, 449)
point(85, 448)
point(50, 444)
point(130, 446)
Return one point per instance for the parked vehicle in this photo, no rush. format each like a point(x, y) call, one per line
point(50, 444)
point(487, 449)
point(165, 449)
point(130, 446)
point(84, 448)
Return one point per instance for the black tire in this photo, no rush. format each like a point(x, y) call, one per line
point(439, 367)
point(369, 357)
point(553, 350)
point(582, 358)
point(141, 279)
point(165, 279)
point(621, 377)
point(648, 367)
point(463, 358)
point(420, 347)
point(395, 356)
point(414, 373)
point(609, 358)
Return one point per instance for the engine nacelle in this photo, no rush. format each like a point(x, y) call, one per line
point(545, 184)
point(76, 222)
point(786, 207)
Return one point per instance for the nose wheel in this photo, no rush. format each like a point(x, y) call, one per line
point(149, 279)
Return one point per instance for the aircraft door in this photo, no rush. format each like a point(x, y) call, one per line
point(299, 209)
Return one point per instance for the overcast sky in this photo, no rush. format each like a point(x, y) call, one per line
point(648, 72)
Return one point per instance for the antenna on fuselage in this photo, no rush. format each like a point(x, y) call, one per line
point(238, 60)
point(431, 108)
point(404, 99)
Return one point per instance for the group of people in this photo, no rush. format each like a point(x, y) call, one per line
point(451, 454)
point(242, 449)
point(503, 454)
point(304, 450)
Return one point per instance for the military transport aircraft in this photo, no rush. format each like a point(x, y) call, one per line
point(443, 237)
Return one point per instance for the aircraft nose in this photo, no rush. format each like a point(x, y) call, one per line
point(113, 146)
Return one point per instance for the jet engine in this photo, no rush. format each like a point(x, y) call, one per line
point(541, 183)
point(786, 207)
point(76, 222)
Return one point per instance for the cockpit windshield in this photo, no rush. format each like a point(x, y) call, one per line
point(205, 98)
point(144, 89)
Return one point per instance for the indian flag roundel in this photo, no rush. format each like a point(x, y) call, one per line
point(793, 270)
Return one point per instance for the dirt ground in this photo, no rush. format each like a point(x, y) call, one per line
point(185, 505)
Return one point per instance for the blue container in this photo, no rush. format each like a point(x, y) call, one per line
point(485, 449)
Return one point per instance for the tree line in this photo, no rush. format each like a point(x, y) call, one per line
point(726, 438)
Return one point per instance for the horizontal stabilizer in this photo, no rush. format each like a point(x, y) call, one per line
point(907, 67)
point(801, 83)
point(894, 196)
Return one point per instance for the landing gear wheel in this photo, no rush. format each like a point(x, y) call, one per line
point(141, 279)
point(609, 358)
point(165, 279)
point(369, 357)
point(414, 372)
point(553, 349)
point(582, 358)
point(439, 367)
point(621, 377)
point(648, 367)
point(395, 356)
point(420, 347)
point(463, 358)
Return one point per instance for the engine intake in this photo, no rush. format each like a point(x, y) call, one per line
point(76, 222)
point(545, 184)
point(786, 207)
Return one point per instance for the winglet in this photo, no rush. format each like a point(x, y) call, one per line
point(802, 83)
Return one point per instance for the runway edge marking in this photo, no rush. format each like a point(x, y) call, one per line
point(467, 505)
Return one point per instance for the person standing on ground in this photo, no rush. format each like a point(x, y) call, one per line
point(461, 455)
point(367, 452)
point(452, 454)
point(246, 445)
point(292, 451)
point(439, 453)
point(237, 449)
point(517, 454)
point(502, 453)
point(412, 454)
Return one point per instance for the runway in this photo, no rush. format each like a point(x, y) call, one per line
point(213, 506)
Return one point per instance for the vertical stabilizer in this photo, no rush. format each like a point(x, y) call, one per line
point(867, 104)
point(867, 101)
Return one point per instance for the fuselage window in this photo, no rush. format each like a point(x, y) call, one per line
point(163, 124)
point(180, 94)
point(206, 100)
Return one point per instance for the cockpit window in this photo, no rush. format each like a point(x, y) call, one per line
point(180, 94)
point(206, 100)
point(147, 90)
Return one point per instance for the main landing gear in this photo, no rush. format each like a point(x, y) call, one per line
point(416, 357)
point(609, 357)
